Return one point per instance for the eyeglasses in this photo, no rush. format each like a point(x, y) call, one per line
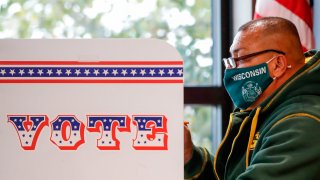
point(230, 62)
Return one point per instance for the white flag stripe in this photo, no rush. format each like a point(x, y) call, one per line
point(276, 9)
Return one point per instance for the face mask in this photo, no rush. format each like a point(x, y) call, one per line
point(244, 85)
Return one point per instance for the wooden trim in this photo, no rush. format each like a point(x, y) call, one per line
point(210, 96)
point(205, 95)
point(253, 8)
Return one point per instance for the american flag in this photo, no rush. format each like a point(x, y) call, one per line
point(297, 11)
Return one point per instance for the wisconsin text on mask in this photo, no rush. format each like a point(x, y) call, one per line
point(249, 74)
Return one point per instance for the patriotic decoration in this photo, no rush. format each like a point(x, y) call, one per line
point(28, 128)
point(151, 132)
point(70, 140)
point(74, 108)
point(67, 132)
point(100, 72)
point(108, 124)
point(297, 11)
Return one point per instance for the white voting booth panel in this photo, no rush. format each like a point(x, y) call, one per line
point(90, 109)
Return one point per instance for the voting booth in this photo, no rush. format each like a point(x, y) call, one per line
point(90, 109)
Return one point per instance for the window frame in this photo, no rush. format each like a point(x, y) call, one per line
point(216, 94)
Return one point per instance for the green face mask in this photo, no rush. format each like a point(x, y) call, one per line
point(244, 85)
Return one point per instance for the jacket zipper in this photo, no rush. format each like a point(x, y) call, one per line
point(235, 139)
point(223, 141)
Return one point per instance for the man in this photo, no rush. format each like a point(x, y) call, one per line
point(274, 133)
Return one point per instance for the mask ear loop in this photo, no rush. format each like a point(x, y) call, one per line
point(274, 78)
point(288, 67)
point(271, 59)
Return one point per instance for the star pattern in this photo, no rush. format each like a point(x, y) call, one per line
point(146, 126)
point(108, 72)
point(76, 128)
point(27, 132)
point(108, 123)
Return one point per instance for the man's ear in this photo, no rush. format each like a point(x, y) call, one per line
point(279, 66)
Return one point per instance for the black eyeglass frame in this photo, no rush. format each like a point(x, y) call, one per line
point(230, 62)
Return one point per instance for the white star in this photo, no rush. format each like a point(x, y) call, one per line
point(105, 72)
point(142, 72)
point(40, 72)
point(87, 72)
point(35, 127)
point(104, 120)
point(19, 126)
point(91, 122)
point(78, 72)
point(124, 72)
point(20, 120)
point(75, 127)
point(152, 72)
point(133, 72)
point(68, 72)
point(30, 72)
point(161, 72)
point(49, 72)
point(59, 72)
point(144, 120)
point(3, 72)
point(57, 127)
point(141, 126)
point(12, 72)
point(21, 71)
point(15, 120)
point(170, 72)
point(107, 127)
point(37, 119)
point(96, 72)
point(110, 120)
point(159, 121)
point(114, 72)
point(180, 72)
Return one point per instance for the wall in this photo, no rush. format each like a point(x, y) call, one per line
point(242, 13)
point(316, 23)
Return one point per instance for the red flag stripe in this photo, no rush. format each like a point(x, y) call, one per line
point(257, 16)
point(299, 7)
point(273, 8)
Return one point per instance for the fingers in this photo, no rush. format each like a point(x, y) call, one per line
point(188, 145)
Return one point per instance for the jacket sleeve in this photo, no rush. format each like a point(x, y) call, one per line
point(290, 150)
point(200, 166)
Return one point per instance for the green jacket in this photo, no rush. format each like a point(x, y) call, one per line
point(280, 139)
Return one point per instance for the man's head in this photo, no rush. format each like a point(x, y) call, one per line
point(278, 40)
point(267, 33)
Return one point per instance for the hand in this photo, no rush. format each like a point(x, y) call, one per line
point(188, 145)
